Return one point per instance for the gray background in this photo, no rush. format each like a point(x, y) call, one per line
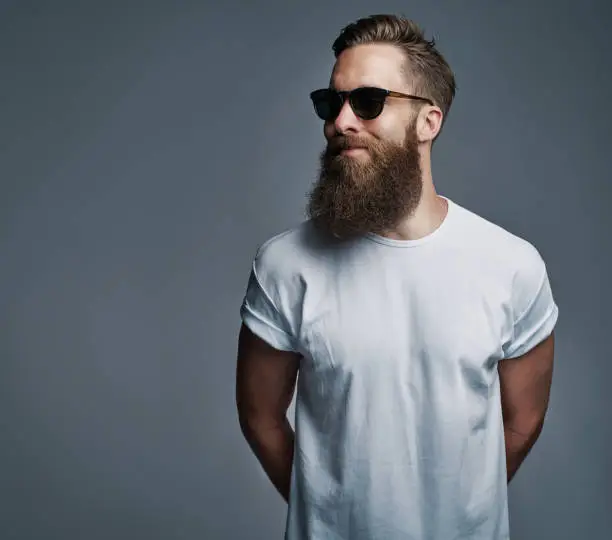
point(147, 149)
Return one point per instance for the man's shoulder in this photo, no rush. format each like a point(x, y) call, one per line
point(494, 240)
point(289, 250)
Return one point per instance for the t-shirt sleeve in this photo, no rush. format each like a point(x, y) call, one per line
point(260, 314)
point(534, 309)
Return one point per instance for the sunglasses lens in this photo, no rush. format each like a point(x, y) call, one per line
point(367, 103)
point(327, 104)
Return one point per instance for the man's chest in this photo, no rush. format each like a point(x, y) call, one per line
point(444, 322)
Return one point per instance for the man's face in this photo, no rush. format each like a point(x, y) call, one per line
point(370, 176)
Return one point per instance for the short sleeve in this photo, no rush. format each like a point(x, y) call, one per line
point(262, 317)
point(534, 308)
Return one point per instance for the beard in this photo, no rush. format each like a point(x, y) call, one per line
point(355, 195)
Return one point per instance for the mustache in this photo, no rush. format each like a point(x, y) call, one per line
point(346, 142)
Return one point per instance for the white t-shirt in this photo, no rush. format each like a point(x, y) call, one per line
point(399, 431)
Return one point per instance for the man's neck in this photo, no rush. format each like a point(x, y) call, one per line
point(428, 216)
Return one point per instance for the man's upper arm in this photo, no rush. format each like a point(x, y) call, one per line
point(265, 379)
point(526, 369)
point(268, 360)
point(525, 386)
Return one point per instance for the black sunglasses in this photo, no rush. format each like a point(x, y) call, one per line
point(367, 102)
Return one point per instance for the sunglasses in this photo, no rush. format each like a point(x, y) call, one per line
point(367, 102)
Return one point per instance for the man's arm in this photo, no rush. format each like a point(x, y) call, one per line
point(265, 383)
point(525, 389)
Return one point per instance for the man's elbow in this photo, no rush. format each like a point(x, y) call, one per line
point(254, 423)
point(527, 425)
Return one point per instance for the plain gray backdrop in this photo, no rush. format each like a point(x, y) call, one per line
point(148, 148)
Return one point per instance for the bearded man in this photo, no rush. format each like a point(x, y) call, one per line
point(422, 333)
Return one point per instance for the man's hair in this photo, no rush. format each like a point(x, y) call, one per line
point(425, 67)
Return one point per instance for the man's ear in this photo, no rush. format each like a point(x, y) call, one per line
point(429, 123)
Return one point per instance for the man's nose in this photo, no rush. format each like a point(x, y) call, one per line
point(346, 120)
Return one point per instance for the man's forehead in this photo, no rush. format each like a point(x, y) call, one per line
point(379, 65)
